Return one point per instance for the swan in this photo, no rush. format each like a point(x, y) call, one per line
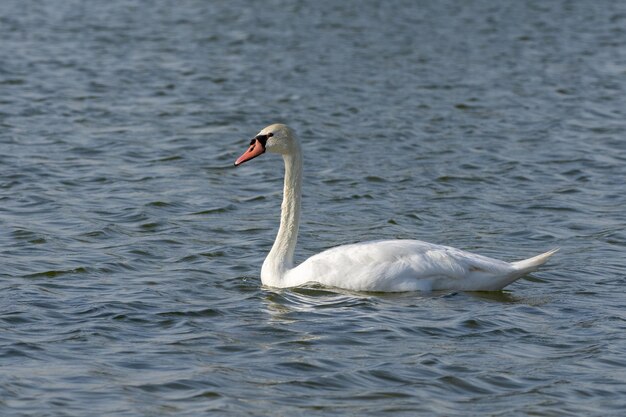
point(376, 266)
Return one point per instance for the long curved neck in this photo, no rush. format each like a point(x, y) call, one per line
point(280, 258)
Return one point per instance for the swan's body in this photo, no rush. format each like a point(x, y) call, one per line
point(389, 265)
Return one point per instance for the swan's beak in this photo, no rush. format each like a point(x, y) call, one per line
point(256, 148)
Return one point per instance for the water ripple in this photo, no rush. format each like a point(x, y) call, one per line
point(130, 247)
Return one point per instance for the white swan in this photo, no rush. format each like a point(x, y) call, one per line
point(388, 266)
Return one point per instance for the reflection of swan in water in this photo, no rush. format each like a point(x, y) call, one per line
point(389, 265)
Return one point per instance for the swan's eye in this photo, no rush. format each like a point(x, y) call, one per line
point(269, 135)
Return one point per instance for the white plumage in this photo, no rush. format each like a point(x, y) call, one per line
point(386, 265)
point(407, 265)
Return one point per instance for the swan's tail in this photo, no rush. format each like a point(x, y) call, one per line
point(531, 264)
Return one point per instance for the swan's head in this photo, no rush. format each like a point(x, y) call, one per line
point(276, 138)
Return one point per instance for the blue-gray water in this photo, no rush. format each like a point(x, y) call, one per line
point(130, 248)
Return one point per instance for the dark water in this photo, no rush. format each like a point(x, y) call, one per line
point(130, 247)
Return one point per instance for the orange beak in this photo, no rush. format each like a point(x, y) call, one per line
point(256, 148)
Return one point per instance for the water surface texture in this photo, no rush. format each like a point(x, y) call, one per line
point(130, 247)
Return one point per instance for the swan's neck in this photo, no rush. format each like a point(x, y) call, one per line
point(280, 258)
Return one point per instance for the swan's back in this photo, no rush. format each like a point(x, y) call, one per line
point(404, 265)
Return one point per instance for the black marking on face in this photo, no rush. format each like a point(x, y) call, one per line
point(263, 138)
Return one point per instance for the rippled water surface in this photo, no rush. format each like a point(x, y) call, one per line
point(130, 248)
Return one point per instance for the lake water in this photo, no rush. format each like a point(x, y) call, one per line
point(130, 247)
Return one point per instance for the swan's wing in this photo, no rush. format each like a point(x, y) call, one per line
point(400, 265)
